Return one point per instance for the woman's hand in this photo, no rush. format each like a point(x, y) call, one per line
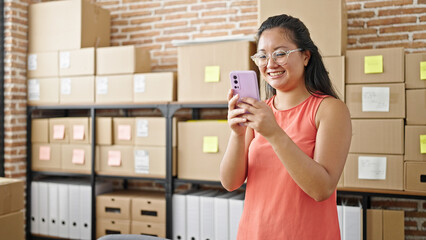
point(235, 115)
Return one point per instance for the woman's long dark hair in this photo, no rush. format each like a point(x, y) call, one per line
point(317, 80)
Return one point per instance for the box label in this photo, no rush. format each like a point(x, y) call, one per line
point(141, 161)
point(210, 144)
point(142, 128)
point(32, 62)
point(212, 74)
point(58, 131)
point(375, 99)
point(373, 168)
point(44, 153)
point(373, 64)
point(78, 156)
point(33, 90)
point(101, 85)
point(422, 70)
point(78, 132)
point(65, 86)
point(139, 83)
point(124, 132)
point(114, 158)
point(64, 60)
point(423, 144)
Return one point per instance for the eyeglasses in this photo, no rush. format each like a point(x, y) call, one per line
point(280, 57)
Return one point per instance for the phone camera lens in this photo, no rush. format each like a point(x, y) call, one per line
point(235, 81)
point(235, 76)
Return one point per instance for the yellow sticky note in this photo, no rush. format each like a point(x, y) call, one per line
point(373, 64)
point(423, 144)
point(422, 70)
point(212, 74)
point(210, 144)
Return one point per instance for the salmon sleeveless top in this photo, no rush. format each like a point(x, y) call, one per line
point(275, 207)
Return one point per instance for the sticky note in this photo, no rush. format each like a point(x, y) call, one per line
point(114, 158)
point(78, 132)
point(212, 74)
point(78, 156)
point(373, 64)
point(210, 144)
point(423, 144)
point(375, 99)
point(44, 153)
point(58, 131)
point(422, 70)
point(124, 132)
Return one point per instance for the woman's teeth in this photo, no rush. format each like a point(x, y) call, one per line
point(275, 73)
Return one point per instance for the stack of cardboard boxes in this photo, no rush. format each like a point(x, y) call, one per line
point(12, 209)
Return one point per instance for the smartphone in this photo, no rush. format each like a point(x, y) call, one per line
point(245, 84)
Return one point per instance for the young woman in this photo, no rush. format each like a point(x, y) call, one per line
point(292, 147)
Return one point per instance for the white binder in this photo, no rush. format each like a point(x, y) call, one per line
point(43, 196)
point(340, 216)
point(221, 215)
point(352, 223)
point(74, 211)
point(53, 209)
point(236, 205)
point(34, 208)
point(193, 214)
point(63, 210)
point(207, 216)
point(179, 216)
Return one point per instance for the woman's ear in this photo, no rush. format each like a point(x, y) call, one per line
point(306, 57)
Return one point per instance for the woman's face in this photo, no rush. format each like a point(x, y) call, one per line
point(289, 75)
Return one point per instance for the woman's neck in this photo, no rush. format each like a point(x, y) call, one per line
point(290, 99)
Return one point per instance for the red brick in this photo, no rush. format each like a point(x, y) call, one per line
point(419, 36)
point(217, 27)
point(411, 28)
point(219, 12)
point(391, 203)
point(362, 31)
point(145, 6)
point(401, 11)
point(368, 14)
point(145, 34)
point(169, 39)
point(252, 24)
point(390, 21)
point(405, 45)
point(144, 20)
point(358, 23)
point(207, 21)
point(350, 7)
point(415, 233)
point(180, 30)
point(387, 3)
point(171, 24)
point(244, 3)
point(135, 14)
point(410, 224)
point(249, 10)
point(181, 2)
point(243, 18)
point(421, 1)
point(423, 19)
point(135, 29)
point(181, 16)
point(170, 10)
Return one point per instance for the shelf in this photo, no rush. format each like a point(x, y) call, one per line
point(99, 106)
point(59, 174)
point(158, 180)
point(381, 193)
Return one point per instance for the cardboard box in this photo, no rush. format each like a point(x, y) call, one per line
point(336, 71)
point(206, 78)
point(413, 73)
point(111, 226)
point(385, 224)
point(80, 130)
point(381, 136)
point(150, 131)
point(12, 226)
point(320, 17)
point(40, 130)
point(43, 91)
point(415, 149)
point(103, 130)
point(64, 25)
point(116, 160)
point(124, 130)
point(76, 158)
point(374, 171)
point(77, 90)
point(122, 60)
point(46, 157)
point(78, 62)
point(149, 207)
point(59, 130)
point(11, 195)
point(114, 205)
point(341, 181)
point(384, 65)
point(154, 87)
point(201, 145)
point(375, 224)
point(416, 107)
point(148, 228)
point(415, 176)
point(114, 89)
point(43, 65)
point(376, 100)
point(151, 161)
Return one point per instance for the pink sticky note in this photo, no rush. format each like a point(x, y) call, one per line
point(44, 153)
point(114, 158)
point(58, 132)
point(78, 132)
point(78, 156)
point(124, 132)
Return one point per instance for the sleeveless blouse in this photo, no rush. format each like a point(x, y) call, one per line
point(275, 207)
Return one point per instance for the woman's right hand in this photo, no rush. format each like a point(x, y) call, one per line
point(234, 115)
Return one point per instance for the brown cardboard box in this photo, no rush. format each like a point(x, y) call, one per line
point(114, 205)
point(43, 65)
point(59, 130)
point(150, 131)
point(392, 63)
point(415, 176)
point(12, 226)
point(416, 107)
point(106, 226)
point(43, 91)
point(11, 195)
point(374, 171)
point(201, 145)
point(154, 87)
point(63, 25)
point(116, 160)
point(124, 130)
point(40, 130)
point(341, 181)
point(122, 60)
point(192, 70)
point(326, 21)
point(114, 89)
point(78, 62)
point(385, 224)
point(76, 158)
point(336, 70)
point(375, 224)
point(412, 143)
point(151, 161)
point(77, 90)
point(103, 130)
point(46, 157)
point(412, 70)
point(376, 100)
point(381, 136)
point(79, 130)
point(148, 228)
point(149, 207)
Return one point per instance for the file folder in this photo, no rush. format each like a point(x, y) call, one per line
point(352, 223)
point(193, 214)
point(236, 205)
point(43, 196)
point(221, 215)
point(63, 210)
point(179, 215)
point(34, 208)
point(207, 215)
point(53, 209)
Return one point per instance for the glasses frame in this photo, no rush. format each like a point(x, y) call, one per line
point(268, 56)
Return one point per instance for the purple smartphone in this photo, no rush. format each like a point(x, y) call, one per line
point(245, 84)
